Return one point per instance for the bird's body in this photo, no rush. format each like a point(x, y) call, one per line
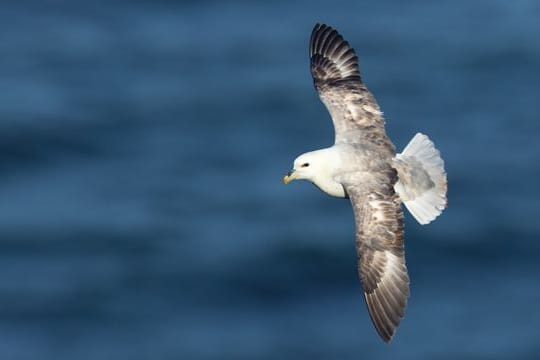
point(345, 163)
point(363, 166)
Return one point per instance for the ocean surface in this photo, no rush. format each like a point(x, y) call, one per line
point(142, 214)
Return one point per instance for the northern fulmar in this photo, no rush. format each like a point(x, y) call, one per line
point(363, 166)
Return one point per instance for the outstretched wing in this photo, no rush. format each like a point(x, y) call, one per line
point(379, 244)
point(334, 67)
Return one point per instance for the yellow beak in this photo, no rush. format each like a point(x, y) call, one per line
point(289, 177)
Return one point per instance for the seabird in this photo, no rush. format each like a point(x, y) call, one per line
point(363, 166)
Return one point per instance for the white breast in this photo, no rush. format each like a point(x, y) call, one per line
point(330, 187)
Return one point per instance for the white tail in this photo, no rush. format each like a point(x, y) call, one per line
point(422, 179)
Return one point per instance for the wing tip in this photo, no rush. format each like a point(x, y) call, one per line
point(332, 58)
point(384, 328)
point(384, 323)
point(387, 302)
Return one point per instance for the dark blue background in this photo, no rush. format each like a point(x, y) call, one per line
point(142, 146)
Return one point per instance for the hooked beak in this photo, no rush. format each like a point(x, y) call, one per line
point(291, 175)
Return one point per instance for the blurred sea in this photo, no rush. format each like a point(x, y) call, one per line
point(142, 146)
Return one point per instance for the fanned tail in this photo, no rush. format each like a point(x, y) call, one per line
point(422, 179)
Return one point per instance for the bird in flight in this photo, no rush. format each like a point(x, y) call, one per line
point(363, 166)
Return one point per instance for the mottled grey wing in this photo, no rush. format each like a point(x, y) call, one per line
point(334, 67)
point(381, 258)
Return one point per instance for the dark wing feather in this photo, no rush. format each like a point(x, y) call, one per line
point(380, 250)
point(334, 67)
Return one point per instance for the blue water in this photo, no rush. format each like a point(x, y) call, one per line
point(142, 214)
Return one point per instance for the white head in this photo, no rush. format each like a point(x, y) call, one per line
point(319, 167)
point(306, 167)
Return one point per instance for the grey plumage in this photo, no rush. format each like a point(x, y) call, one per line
point(362, 165)
point(334, 67)
point(369, 183)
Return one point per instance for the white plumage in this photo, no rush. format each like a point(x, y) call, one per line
point(363, 166)
point(422, 179)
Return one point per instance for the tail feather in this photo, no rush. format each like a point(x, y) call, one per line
point(422, 180)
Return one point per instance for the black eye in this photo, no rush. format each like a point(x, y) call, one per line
point(305, 164)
